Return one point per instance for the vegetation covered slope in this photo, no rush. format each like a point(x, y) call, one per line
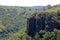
point(43, 34)
point(12, 19)
point(14, 16)
point(13, 23)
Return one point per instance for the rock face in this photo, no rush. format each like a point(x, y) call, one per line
point(39, 22)
point(31, 29)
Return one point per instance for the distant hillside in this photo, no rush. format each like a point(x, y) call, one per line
point(38, 7)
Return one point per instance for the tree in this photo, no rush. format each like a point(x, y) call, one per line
point(48, 6)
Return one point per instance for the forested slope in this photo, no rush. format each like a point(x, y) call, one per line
point(13, 23)
point(12, 19)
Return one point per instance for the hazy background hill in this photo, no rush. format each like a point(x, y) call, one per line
point(38, 7)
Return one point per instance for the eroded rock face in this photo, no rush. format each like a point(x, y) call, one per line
point(31, 29)
point(39, 22)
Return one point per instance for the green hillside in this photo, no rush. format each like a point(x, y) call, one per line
point(14, 16)
point(12, 19)
point(13, 23)
point(43, 34)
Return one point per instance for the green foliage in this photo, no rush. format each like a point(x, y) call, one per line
point(13, 22)
point(12, 19)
